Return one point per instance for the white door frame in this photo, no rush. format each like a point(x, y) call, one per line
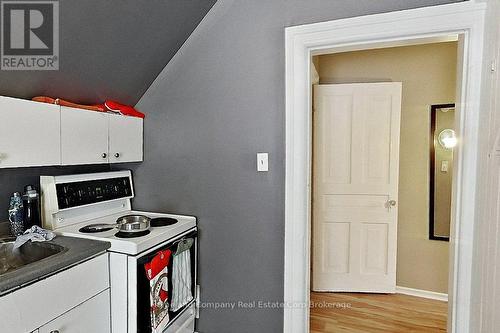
point(388, 29)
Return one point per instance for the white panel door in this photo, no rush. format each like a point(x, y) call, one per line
point(91, 316)
point(84, 136)
point(125, 139)
point(355, 186)
point(29, 133)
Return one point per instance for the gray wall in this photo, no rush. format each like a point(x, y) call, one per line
point(110, 49)
point(216, 104)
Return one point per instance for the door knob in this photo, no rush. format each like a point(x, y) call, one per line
point(390, 203)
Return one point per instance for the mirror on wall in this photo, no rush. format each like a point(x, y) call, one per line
point(442, 144)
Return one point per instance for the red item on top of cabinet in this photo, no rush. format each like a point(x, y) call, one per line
point(62, 102)
point(108, 106)
point(123, 109)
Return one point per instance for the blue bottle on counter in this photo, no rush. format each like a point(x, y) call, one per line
point(16, 215)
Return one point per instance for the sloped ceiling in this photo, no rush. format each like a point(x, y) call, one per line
point(111, 49)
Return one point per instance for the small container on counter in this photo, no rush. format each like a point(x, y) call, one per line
point(16, 215)
point(31, 207)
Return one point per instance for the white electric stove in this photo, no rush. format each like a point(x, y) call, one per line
point(73, 202)
point(134, 245)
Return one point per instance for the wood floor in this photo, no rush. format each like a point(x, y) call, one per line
point(374, 313)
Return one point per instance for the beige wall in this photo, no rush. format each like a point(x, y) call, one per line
point(428, 76)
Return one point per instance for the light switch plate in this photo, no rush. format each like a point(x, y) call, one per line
point(444, 166)
point(262, 162)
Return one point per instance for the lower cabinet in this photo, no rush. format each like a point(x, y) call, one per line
point(75, 300)
point(90, 316)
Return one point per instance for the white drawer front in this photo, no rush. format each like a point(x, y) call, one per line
point(91, 316)
point(30, 307)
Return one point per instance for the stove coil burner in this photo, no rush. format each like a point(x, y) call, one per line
point(121, 234)
point(89, 229)
point(162, 221)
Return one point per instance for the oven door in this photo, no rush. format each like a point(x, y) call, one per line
point(139, 306)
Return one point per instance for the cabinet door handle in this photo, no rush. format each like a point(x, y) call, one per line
point(117, 155)
point(54, 331)
point(104, 155)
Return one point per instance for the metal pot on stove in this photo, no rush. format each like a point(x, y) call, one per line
point(126, 224)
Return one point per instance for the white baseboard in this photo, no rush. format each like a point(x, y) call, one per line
point(422, 293)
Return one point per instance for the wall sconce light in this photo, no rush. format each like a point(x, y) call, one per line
point(447, 139)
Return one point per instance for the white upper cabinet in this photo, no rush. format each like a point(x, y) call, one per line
point(29, 133)
point(90, 137)
point(41, 134)
point(125, 139)
point(84, 136)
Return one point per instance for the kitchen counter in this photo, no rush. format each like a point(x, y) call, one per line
point(77, 250)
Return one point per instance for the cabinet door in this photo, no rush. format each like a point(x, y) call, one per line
point(91, 316)
point(29, 133)
point(125, 139)
point(84, 136)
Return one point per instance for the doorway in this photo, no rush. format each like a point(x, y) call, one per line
point(465, 20)
point(383, 120)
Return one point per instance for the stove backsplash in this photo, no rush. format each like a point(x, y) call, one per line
point(14, 180)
